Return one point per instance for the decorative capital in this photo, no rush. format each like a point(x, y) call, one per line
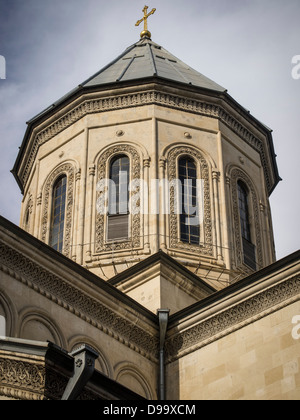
point(216, 175)
point(39, 199)
point(92, 170)
point(78, 175)
point(261, 206)
point(147, 163)
point(228, 180)
point(162, 162)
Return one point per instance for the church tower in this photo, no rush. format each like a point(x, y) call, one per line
point(150, 156)
point(144, 265)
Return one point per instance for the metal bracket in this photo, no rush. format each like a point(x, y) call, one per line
point(84, 367)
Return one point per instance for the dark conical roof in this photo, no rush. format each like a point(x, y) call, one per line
point(147, 59)
point(142, 60)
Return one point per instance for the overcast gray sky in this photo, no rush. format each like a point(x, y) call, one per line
point(247, 46)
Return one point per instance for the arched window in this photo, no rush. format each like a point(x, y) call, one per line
point(118, 206)
point(244, 211)
point(189, 218)
point(26, 221)
point(58, 213)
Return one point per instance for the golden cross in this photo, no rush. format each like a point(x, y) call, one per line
point(145, 33)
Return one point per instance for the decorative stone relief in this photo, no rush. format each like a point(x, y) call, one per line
point(30, 380)
point(18, 376)
point(67, 169)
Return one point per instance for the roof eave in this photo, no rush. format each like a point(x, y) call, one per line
point(74, 94)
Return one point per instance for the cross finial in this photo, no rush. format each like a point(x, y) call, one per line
point(145, 33)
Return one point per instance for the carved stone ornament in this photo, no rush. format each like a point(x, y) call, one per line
point(21, 380)
point(68, 170)
point(135, 238)
point(205, 247)
point(29, 380)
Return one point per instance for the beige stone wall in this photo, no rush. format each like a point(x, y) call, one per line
point(160, 293)
point(258, 362)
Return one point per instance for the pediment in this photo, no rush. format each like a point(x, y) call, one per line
point(162, 282)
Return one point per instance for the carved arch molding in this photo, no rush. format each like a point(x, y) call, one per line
point(206, 246)
point(68, 170)
point(135, 174)
point(239, 175)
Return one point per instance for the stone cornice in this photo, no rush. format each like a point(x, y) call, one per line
point(221, 107)
point(230, 310)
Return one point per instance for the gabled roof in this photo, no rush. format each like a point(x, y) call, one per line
point(162, 258)
point(146, 59)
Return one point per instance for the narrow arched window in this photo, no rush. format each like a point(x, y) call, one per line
point(58, 213)
point(189, 217)
point(26, 221)
point(244, 211)
point(118, 206)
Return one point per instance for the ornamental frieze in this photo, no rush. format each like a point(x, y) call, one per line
point(146, 98)
point(232, 319)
